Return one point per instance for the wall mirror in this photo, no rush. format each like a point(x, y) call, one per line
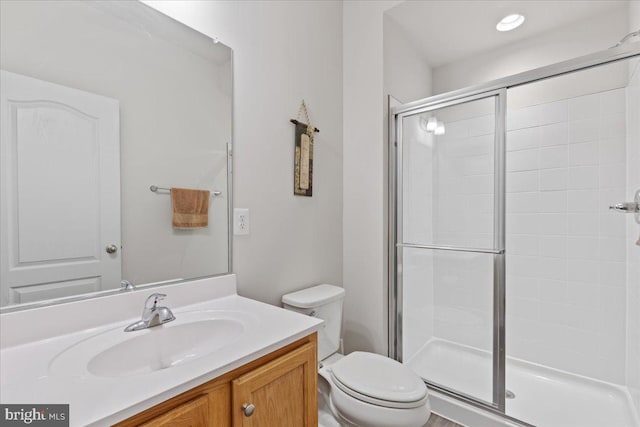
point(100, 101)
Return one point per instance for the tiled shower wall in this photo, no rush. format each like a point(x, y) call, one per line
point(566, 250)
point(463, 182)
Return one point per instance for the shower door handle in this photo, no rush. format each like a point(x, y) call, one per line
point(626, 207)
point(630, 207)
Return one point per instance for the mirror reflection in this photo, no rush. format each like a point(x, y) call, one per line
point(100, 101)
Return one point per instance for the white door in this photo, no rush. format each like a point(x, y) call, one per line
point(59, 190)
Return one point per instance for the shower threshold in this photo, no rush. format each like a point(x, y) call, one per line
point(543, 396)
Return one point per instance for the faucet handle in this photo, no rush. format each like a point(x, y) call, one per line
point(154, 298)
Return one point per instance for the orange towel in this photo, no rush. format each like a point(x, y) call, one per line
point(190, 208)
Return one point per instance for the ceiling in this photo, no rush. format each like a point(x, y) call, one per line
point(448, 30)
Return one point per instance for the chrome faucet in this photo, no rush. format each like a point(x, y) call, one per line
point(152, 315)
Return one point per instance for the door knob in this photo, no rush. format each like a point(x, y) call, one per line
point(248, 409)
point(111, 249)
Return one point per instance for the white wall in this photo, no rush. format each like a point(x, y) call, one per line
point(407, 74)
point(364, 208)
point(283, 52)
point(598, 33)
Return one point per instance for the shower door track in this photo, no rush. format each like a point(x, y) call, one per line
point(396, 114)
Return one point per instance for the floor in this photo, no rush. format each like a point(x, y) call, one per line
point(544, 396)
point(436, 421)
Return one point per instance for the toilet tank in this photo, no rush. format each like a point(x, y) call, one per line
point(324, 302)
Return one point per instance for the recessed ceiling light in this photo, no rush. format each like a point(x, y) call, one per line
point(510, 22)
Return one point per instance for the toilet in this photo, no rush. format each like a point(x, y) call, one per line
point(364, 389)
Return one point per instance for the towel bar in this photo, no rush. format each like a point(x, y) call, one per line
point(155, 189)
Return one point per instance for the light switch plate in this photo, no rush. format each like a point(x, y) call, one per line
point(241, 221)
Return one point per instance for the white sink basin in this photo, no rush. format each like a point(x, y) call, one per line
point(116, 353)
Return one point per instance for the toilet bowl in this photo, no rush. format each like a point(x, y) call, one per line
point(367, 389)
point(364, 389)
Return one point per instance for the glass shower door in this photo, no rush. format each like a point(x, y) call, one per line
point(450, 245)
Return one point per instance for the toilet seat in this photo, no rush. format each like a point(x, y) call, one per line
point(378, 380)
point(378, 402)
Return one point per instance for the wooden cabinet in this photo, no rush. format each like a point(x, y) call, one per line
point(193, 413)
point(282, 387)
point(281, 393)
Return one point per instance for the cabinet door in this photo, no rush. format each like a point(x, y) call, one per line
point(283, 392)
point(194, 413)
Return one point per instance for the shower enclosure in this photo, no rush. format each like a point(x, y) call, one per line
point(513, 285)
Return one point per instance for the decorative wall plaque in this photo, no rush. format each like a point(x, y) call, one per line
point(303, 154)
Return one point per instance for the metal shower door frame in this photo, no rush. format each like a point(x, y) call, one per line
point(497, 251)
point(396, 114)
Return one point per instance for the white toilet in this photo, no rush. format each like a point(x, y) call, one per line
point(365, 389)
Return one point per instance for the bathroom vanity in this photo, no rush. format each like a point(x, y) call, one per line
point(225, 360)
point(277, 389)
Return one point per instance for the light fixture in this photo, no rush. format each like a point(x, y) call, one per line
point(432, 124)
point(510, 22)
point(428, 125)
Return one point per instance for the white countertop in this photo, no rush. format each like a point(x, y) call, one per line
point(26, 376)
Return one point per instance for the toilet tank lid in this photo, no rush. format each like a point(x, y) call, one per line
point(314, 296)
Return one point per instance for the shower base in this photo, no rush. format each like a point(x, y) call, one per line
point(544, 396)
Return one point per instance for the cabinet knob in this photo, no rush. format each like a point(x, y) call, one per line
point(248, 409)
